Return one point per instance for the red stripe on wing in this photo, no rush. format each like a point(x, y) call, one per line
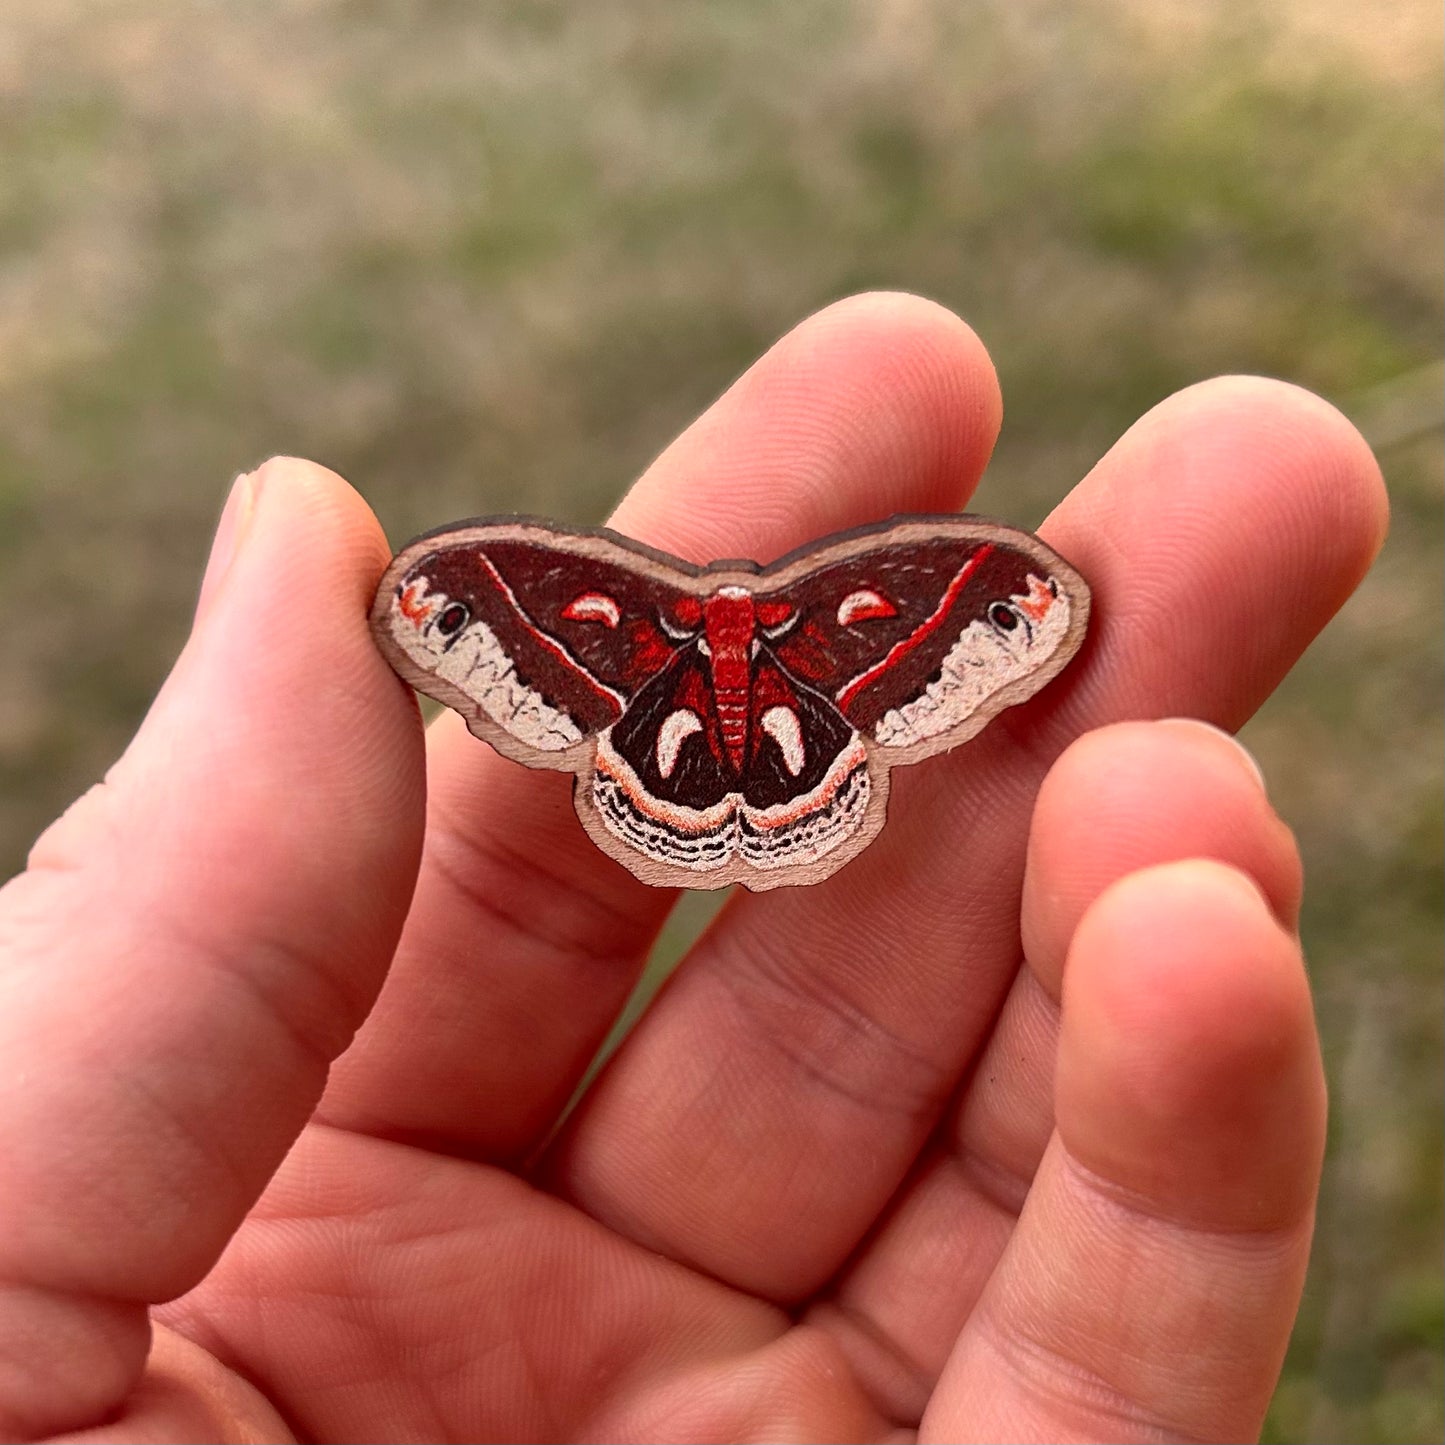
point(551, 645)
point(926, 628)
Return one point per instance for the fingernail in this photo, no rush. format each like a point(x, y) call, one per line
point(1241, 752)
point(230, 533)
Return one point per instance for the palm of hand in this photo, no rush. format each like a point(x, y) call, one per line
point(860, 1171)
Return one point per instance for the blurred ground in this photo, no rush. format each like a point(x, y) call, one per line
point(490, 257)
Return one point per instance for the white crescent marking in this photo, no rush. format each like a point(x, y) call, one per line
point(676, 729)
point(864, 604)
point(593, 607)
point(781, 724)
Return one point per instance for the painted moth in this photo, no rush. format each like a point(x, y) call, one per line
point(732, 723)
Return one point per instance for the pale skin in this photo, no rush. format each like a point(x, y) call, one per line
point(1010, 1130)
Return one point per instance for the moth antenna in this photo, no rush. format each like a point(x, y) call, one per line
point(673, 632)
point(782, 629)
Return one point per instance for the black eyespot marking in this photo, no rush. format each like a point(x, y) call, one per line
point(453, 619)
point(1003, 617)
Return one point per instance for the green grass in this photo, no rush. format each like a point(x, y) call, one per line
point(489, 258)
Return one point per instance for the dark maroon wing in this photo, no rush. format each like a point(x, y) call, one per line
point(922, 638)
point(668, 783)
point(796, 735)
point(539, 638)
point(688, 769)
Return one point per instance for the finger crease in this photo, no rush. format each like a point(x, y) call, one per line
point(268, 971)
point(1004, 1188)
point(888, 1358)
point(1059, 1382)
point(521, 894)
point(835, 1043)
point(1142, 1211)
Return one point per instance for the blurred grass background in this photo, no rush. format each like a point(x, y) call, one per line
point(490, 257)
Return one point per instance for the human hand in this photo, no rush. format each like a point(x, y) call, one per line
point(1011, 1129)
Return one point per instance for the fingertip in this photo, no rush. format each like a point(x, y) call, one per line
point(288, 651)
point(1219, 743)
point(323, 520)
point(927, 351)
point(284, 717)
point(1321, 441)
point(1139, 988)
point(1135, 794)
point(1296, 449)
point(1219, 535)
point(877, 404)
point(1189, 1071)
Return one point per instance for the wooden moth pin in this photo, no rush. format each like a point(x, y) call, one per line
point(730, 723)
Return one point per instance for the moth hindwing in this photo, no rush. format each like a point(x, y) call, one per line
point(730, 723)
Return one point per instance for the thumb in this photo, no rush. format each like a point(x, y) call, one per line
point(194, 942)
